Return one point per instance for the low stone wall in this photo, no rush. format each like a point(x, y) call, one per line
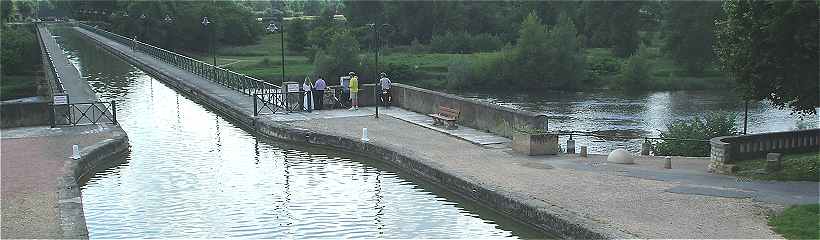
point(475, 114)
point(24, 112)
point(72, 218)
point(728, 150)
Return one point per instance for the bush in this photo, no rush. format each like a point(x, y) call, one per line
point(705, 128)
point(20, 50)
point(636, 72)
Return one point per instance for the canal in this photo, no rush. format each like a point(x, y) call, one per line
point(634, 116)
point(193, 174)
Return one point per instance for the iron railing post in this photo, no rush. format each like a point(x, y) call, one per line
point(114, 112)
point(255, 112)
point(51, 115)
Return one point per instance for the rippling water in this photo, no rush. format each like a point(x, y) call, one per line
point(640, 115)
point(192, 174)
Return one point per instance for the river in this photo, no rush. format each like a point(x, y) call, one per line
point(193, 174)
point(640, 115)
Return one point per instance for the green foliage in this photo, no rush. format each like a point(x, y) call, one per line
point(798, 222)
point(796, 167)
point(601, 67)
point(13, 87)
point(705, 128)
point(636, 74)
point(458, 71)
point(770, 49)
point(611, 24)
point(688, 32)
point(296, 36)
point(340, 57)
point(20, 52)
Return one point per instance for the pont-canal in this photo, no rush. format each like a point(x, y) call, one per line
point(636, 115)
point(192, 173)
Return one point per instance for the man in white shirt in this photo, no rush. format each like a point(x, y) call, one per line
point(385, 83)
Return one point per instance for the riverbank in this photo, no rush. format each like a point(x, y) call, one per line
point(567, 201)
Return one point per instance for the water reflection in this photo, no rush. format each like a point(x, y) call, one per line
point(639, 115)
point(192, 174)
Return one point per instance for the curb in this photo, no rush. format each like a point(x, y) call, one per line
point(70, 204)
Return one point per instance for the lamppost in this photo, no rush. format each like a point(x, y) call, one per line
point(272, 28)
point(205, 23)
point(168, 21)
point(144, 20)
point(376, 30)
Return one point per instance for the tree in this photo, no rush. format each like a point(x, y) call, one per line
point(297, 36)
point(636, 72)
point(688, 33)
point(770, 48)
point(612, 24)
point(339, 57)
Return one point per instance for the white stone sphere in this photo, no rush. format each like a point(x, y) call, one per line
point(620, 156)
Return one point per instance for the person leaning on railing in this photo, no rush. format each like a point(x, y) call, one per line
point(319, 87)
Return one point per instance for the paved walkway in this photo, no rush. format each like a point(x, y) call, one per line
point(34, 159)
point(640, 199)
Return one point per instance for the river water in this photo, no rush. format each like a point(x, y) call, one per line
point(640, 115)
point(192, 174)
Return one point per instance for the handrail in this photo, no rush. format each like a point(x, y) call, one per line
point(233, 80)
point(592, 134)
point(57, 87)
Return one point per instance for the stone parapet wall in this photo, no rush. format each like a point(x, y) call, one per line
point(728, 150)
point(24, 112)
point(497, 119)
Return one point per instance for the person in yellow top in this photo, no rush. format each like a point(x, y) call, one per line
point(354, 91)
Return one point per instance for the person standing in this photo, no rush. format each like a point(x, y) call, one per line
point(319, 88)
point(385, 96)
point(354, 91)
point(345, 82)
point(308, 98)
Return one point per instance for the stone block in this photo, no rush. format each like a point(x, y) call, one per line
point(583, 152)
point(620, 156)
point(535, 143)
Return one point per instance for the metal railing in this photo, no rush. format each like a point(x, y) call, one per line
point(253, 87)
point(77, 114)
point(57, 87)
point(279, 101)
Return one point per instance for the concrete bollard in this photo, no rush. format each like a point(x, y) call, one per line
point(646, 146)
point(583, 151)
point(364, 135)
point(570, 146)
point(667, 162)
point(75, 152)
point(773, 162)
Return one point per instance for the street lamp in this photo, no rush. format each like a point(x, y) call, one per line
point(376, 30)
point(168, 21)
point(144, 20)
point(272, 29)
point(205, 23)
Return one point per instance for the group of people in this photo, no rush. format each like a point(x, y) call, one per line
point(349, 94)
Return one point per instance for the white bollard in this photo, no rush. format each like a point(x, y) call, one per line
point(364, 135)
point(75, 152)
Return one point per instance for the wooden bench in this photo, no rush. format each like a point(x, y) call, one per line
point(446, 116)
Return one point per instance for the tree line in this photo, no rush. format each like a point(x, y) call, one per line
point(768, 47)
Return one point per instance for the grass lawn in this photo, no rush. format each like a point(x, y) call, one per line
point(796, 167)
point(12, 87)
point(798, 222)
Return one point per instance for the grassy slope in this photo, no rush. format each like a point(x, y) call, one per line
point(798, 222)
point(796, 167)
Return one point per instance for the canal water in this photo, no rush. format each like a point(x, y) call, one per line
point(193, 174)
point(634, 116)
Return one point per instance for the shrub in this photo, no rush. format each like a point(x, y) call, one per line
point(636, 72)
point(699, 128)
point(463, 42)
